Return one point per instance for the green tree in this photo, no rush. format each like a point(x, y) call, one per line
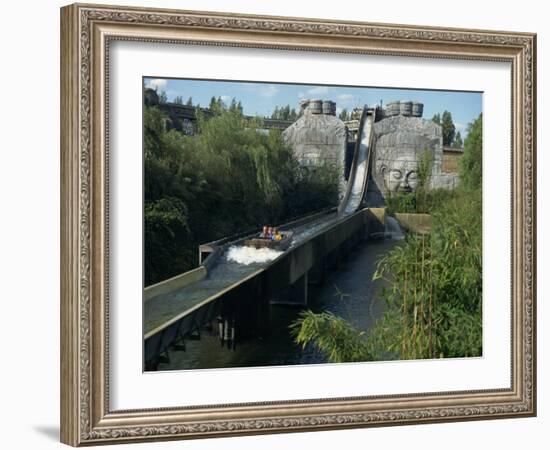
point(447, 128)
point(471, 162)
point(178, 100)
point(437, 118)
point(284, 113)
point(344, 115)
point(189, 101)
point(163, 98)
point(225, 179)
point(458, 143)
point(233, 106)
point(216, 106)
point(293, 114)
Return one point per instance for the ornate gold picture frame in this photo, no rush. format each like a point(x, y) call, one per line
point(87, 32)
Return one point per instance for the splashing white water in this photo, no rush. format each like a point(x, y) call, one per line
point(250, 255)
point(393, 230)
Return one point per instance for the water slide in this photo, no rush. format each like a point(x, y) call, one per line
point(359, 173)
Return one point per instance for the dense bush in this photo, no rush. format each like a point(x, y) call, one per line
point(227, 178)
point(434, 298)
point(421, 201)
point(471, 163)
point(433, 302)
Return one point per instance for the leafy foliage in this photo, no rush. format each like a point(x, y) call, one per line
point(422, 201)
point(330, 334)
point(225, 179)
point(284, 113)
point(471, 163)
point(344, 115)
point(447, 128)
point(458, 143)
point(433, 302)
point(425, 168)
point(434, 299)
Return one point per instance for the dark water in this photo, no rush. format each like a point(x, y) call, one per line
point(348, 292)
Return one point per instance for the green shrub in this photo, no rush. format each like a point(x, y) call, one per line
point(471, 163)
point(225, 179)
point(433, 299)
point(434, 302)
point(420, 201)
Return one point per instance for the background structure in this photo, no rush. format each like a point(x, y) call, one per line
point(29, 225)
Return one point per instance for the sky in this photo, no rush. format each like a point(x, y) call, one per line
point(262, 98)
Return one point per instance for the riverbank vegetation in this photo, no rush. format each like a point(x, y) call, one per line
point(227, 178)
point(433, 290)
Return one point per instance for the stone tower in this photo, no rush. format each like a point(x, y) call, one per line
point(402, 137)
point(318, 136)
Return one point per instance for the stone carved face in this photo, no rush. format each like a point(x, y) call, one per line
point(399, 178)
point(400, 146)
point(398, 157)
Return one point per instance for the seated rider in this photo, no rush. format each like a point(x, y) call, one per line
point(263, 234)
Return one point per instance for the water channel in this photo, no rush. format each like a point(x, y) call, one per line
point(348, 292)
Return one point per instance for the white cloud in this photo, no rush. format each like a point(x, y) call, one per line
point(318, 90)
point(268, 91)
point(156, 83)
point(345, 98)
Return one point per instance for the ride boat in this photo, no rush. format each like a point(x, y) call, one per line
point(267, 242)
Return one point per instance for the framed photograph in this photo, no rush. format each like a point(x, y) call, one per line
point(276, 224)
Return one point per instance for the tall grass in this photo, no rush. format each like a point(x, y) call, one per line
point(433, 298)
point(421, 201)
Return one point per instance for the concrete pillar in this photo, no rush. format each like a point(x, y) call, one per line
point(317, 273)
point(298, 291)
point(295, 294)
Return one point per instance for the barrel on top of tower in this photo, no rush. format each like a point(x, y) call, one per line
point(392, 109)
point(317, 106)
point(417, 109)
point(405, 108)
point(329, 107)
